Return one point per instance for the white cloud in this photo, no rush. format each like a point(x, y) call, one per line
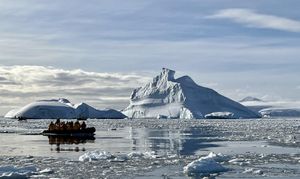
point(251, 18)
point(22, 84)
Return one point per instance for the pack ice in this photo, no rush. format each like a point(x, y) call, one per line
point(62, 108)
point(167, 97)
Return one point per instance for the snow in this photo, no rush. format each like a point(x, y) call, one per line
point(219, 115)
point(205, 165)
point(15, 172)
point(180, 98)
point(61, 108)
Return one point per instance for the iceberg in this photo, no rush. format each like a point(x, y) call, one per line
point(62, 108)
point(280, 112)
point(180, 98)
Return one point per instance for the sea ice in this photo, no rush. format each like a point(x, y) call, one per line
point(95, 155)
point(15, 172)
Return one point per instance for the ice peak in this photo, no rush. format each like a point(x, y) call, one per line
point(167, 75)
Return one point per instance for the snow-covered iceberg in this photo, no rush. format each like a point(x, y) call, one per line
point(62, 108)
point(180, 98)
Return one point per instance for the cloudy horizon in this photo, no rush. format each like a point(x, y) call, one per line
point(97, 52)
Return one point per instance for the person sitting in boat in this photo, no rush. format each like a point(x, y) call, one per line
point(57, 122)
point(63, 126)
point(70, 126)
point(77, 126)
point(83, 126)
point(51, 127)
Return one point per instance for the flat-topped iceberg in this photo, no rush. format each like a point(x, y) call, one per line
point(182, 98)
point(62, 108)
point(273, 108)
point(280, 112)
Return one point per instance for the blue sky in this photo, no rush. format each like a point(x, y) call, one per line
point(239, 48)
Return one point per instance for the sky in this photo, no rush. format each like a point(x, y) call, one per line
point(97, 51)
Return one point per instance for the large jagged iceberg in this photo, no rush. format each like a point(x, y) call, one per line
point(62, 108)
point(180, 98)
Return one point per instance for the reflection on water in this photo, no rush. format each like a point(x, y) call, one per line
point(165, 141)
point(68, 141)
point(162, 141)
point(53, 139)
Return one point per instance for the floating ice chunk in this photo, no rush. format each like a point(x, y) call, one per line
point(46, 171)
point(135, 154)
point(253, 171)
point(204, 165)
point(103, 155)
point(138, 154)
point(217, 157)
point(258, 172)
point(150, 154)
point(95, 155)
point(219, 115)
point(14, 172)
point(239, 161)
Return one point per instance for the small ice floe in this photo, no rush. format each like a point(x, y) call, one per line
point(147, 154)
point(239, 161)
point(219, 115)
point(205, 166)
point(253, 171)
point(46, 171)
point(15, 172)
point(218, 157)
point(95, 155)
